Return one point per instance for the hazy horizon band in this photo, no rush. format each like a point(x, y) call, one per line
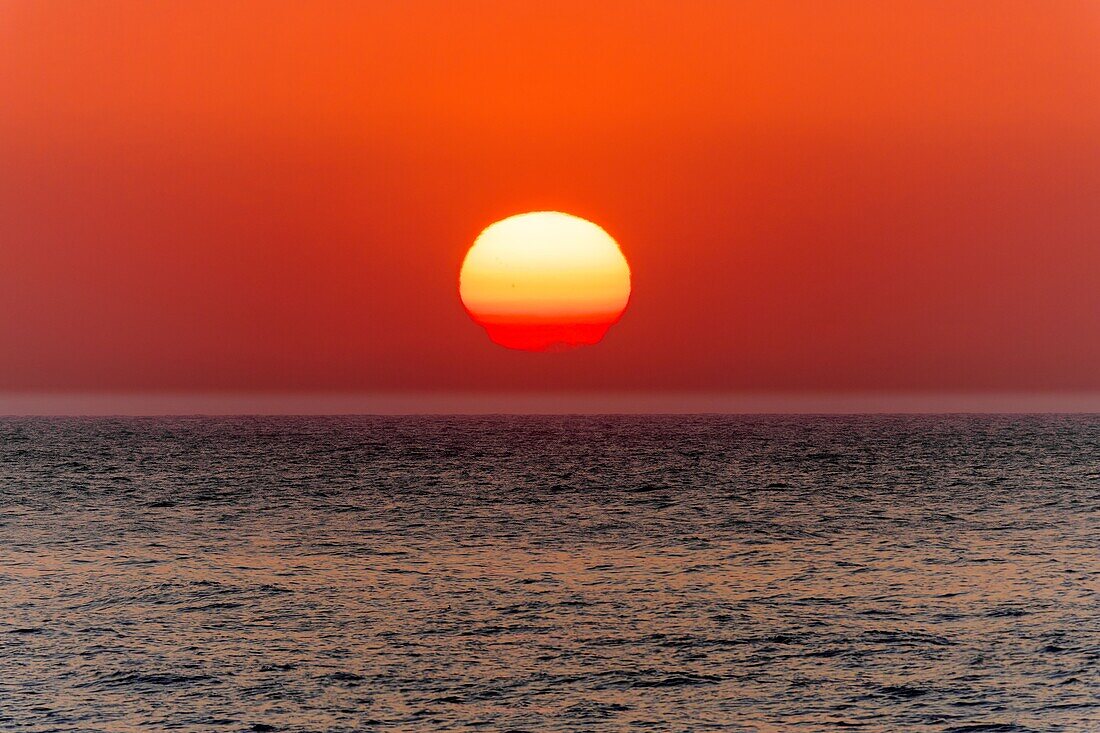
point(550, 403)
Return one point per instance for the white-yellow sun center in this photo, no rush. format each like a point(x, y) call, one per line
point(544, 264)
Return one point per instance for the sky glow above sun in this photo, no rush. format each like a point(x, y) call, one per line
point(545, 281)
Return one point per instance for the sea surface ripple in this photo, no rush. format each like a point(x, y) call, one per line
point(892, 573)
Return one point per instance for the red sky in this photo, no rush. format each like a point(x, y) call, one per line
point(812, 196)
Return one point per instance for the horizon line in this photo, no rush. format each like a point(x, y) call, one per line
point(212, 403)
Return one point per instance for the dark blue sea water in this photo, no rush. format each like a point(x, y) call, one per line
point(937, 573)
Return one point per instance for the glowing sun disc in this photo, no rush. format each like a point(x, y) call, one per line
point(545, 281)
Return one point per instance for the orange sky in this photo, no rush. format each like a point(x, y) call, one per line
point(812, 196)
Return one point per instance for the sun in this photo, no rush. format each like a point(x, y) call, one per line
point(545, 281)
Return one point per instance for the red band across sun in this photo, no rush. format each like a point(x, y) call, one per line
point(545, 281)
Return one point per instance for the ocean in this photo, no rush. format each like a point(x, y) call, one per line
point(660, 573)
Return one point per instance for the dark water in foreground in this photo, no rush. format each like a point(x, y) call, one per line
point(550, 574)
